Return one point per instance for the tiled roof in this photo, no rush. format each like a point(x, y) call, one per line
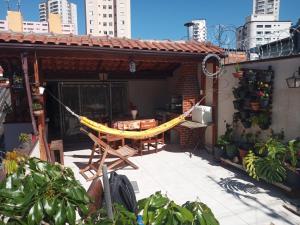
point(108, 42)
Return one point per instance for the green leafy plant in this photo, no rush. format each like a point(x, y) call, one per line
point(37, 106)
point(202, 213)
point(237, 67)
point(272, 170)
point(41, 192)
point(24, 138)
point(249, 164)
point(121, 217)
point(158, 209)
point(293, 148)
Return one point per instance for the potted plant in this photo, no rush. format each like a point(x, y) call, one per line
point(246, 123)
point(254, 104)
point(292, 172)
point(239, 92)
point(4, 82)
point(237, 104)
point(18, 82)
point(219, 148)
point(270, 167)
point(37, 109)
point(238, 72)
point(25, 140)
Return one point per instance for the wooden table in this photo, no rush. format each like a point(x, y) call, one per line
point(130, 124)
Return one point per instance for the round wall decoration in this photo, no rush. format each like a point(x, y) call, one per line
point(220, 66)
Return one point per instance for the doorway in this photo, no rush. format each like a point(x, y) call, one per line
point(99, 101)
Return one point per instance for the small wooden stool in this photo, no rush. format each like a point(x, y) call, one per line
point(57, 145)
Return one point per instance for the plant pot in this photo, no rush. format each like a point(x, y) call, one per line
point(231, 151)
point(237, 104)
point(246, 123)
point(244, 115)
point(238, 74)
point(218, 153)
point(242, 153)
point(25, 145)
point(264, 103)
point(38, 112)
point(36, 96)
point(4, 83)
point(292, 178)
point(255, 106)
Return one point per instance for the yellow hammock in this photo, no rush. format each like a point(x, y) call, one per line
point(135, 134)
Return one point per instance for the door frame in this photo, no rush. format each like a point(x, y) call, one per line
point(79, 83)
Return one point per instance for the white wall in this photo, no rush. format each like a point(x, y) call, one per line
point(148, 95)
point(286, 101)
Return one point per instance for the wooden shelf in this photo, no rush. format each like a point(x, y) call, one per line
point(239, 166)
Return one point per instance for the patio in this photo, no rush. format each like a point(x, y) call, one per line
point(233, 197)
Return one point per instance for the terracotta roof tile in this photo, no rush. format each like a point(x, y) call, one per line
point(108, 42)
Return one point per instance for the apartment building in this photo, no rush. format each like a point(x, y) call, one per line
point(196, 30)
point(266, 7)
point(14, 21)
point(108, 17)
point(66, 10)
point(262, 26)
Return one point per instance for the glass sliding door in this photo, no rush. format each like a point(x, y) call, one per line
point(100, 102)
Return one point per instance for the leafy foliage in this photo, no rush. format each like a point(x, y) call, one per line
point(39, 191)
point(270, 169)
point(158, 209)
point(249, 164)
point(202, 213)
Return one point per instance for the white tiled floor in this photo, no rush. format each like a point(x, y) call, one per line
point(234, 198)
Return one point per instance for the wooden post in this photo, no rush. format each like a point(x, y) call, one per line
point(28, 92)
point(44, 148)
point(215, 107)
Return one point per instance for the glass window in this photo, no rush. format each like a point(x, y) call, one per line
point(259, 26)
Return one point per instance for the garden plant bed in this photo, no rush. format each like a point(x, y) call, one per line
point(293, 192)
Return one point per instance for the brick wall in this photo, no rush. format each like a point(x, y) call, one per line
point(187, 85)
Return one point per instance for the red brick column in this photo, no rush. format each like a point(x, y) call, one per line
point(187, 85)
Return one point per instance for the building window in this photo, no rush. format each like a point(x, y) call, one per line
point(259, 32)
point(104, 15)
point(110, 15)
point(259, 26)
point(104, 7)
point(111, 33)
point(259, 39)
point(91, 30)
point(110, 23)
point(105, 32)
point(104, 24)
point(268, 32)
point(123, 22)
point(268, 26)
point(109, 7)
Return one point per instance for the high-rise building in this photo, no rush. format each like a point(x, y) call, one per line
point(197, 30)
point(266, 7)
point(108, 17)
point(14, 22)
point(66, 10)
point(263, 26)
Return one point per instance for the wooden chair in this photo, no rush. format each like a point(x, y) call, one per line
point(104, 150)
point(112, 140)
point(152, 141)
